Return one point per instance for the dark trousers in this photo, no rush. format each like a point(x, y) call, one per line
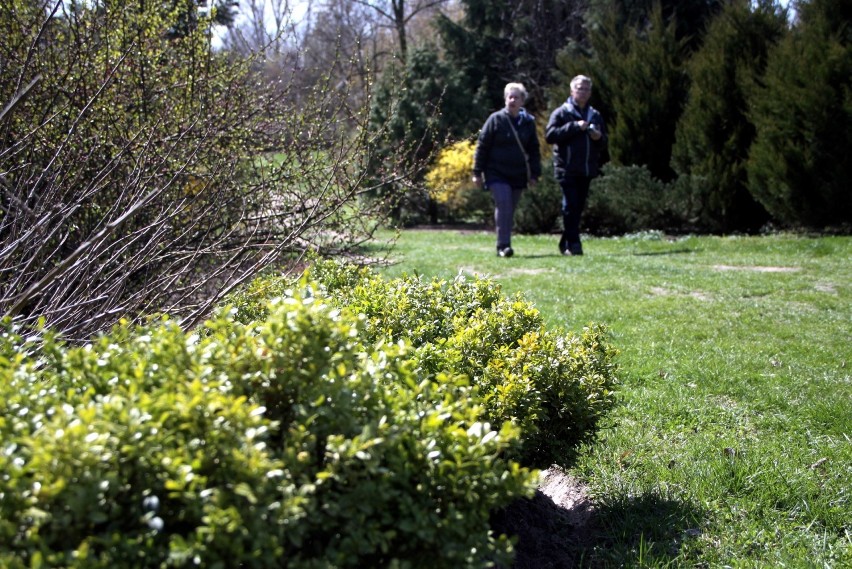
point(575, 191)
point(505, 201)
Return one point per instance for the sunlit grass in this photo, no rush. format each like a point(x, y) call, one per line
point(731, 445)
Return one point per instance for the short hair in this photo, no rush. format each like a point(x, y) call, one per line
point(519, 87)
point(580, 79)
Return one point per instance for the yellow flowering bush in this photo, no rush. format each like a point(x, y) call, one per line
point(449, 179)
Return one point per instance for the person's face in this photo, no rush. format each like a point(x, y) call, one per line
point(514, 101)
point(581, 93)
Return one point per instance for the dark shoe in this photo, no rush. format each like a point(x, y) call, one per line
point(505, 252)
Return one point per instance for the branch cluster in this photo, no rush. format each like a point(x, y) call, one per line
point(141, 173)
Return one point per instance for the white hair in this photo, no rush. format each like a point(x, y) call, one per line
point(519, 87)
point(579, 80)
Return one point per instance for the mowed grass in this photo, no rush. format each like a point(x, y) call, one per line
point(731, 445)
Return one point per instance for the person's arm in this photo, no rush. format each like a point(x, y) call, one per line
point(534, 153)
point(483, 151)
point(559, 129)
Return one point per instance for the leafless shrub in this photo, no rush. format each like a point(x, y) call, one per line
point(142, 174)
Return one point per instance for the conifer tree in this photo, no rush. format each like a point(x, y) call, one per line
point(497, 42)
point(799, 167)
point(416, 108)
point(639, 86)
point(714, 134)
point(690, 17)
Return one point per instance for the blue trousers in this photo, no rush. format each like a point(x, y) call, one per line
point(505, 201)
point(575, 191)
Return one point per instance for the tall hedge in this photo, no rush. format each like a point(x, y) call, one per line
point(799, 167)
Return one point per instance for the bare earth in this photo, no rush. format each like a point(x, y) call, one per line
point(553, 526)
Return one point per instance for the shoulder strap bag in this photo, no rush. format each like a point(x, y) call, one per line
point(521, 146)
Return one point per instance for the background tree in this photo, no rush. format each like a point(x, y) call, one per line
point(339, 32)
point(799, 167)
point(639, 85)
point(690, 18)
point(398, 15)
point(418, 109)
point(497, 42)
point(185, 16)
point(714, 134)
point(263, 26)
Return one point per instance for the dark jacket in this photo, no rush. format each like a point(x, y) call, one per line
point(498, 155)
point(574, 151)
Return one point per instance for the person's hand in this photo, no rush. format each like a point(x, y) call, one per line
point(593, 131)
point(477, 180)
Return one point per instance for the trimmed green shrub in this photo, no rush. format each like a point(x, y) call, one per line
point(628, 199)
point(624, 198)
point(286, 441)
point(540, 208)
point(554, 386)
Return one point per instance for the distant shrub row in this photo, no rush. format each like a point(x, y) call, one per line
point(292, 432)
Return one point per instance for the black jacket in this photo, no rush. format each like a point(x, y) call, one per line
point(498, 155)
point(574, 151)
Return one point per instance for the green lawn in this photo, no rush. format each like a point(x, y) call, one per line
point(731, 446)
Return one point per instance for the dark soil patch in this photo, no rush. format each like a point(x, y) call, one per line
point(553, 528)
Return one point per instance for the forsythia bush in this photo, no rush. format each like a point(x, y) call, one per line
point(448, 181)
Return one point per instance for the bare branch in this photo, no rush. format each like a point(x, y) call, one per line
point(124, 193)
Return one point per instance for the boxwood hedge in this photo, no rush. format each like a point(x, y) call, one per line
point(555, 386)
point(340, 421)
point(284, 442)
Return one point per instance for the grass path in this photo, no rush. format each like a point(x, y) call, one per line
point(732, 443)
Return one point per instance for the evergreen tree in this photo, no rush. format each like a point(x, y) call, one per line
point(417, 109)
point(639, 86)
point(422, 105)
point(714, 134)
point(497, 42)
point(691, 18)
point(799, 167)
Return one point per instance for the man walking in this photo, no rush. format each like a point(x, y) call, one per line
point(578, 135)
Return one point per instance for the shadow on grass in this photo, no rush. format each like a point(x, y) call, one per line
point(520, 254)
point(667, 252)
point(626, 532)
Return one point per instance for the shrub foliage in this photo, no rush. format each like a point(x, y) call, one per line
point(450, 186)
point(292, 430)
point(540, 208)
point(286, 442)
point(555, 386)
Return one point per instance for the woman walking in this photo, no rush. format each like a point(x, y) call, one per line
point(507, 159)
